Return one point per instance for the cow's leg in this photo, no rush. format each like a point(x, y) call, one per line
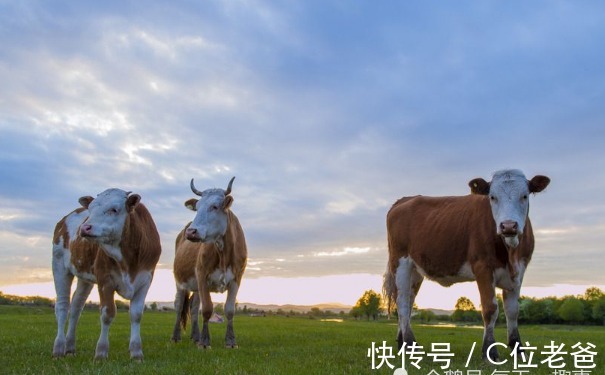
point(78, 301)
point(417, 280)
point(408, 281)
point(230, 312)
point(489, 311)
point(180, 301)
point(207, 309)
point(195, 317)
point(137, 306)
point(108, 313)
point(63, 280)
point(511, 308)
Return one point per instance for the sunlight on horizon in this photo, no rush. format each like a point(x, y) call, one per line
point(341, 289)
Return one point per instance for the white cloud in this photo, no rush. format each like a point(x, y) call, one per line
point(343, 252)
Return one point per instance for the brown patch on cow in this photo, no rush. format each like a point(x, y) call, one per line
point(140, 245)
point(187, 251)
point(83, 255)
point(61, 230)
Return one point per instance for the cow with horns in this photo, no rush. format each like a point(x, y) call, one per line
point(112, 241)
point(210, 256)
point(485, 236)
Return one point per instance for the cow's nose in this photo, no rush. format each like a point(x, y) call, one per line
point(509, 228)
point(192, 234)
point(85, 229)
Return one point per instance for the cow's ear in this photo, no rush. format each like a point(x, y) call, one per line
point(538, 183)
point(191, 204)
point(227, 202)
point(132, 201)
point(85, 200)
point(479, 186)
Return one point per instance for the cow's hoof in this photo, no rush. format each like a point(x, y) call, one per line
point(233, 346)
point(204, 347)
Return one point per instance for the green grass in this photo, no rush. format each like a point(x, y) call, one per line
point(269, 345)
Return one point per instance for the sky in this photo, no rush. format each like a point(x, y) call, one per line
point(326, 112)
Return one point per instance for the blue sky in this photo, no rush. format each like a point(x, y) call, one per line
point(325, 111)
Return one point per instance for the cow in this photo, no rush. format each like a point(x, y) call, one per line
point(485, 236)
point(112, 241)
point(210, 256)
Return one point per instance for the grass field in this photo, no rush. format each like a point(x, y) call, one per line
point(269, 345)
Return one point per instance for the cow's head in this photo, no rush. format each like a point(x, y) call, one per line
point(210, 222)
point(508, 194)
point(107, 214)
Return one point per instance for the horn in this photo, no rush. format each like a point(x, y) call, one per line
point(228, 191)
point(194, 190)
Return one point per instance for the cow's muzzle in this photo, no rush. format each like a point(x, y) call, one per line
point(509, 228)
point(193, 235)
point(86, 230)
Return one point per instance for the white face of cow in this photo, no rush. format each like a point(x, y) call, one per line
point(107, 215)
point(211, 220)
point(509, 199)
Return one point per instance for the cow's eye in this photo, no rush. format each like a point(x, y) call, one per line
point(525, 197)
point(493, 198)
point(112, 211)
point(214, 208)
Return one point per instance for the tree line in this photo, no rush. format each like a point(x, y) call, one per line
point(588, 309)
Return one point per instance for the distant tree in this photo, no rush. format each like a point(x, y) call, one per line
point(466, 316)
point(154, 306)
point(425, 316)
point(369, 305)
point(356, 312)
point(465, 311)
point(572, 310)
point(593, 306)
point(534, 310)
point(121, 305)
point(593, 294)
point(464, 304)
point(315, 311)
point(598, 310)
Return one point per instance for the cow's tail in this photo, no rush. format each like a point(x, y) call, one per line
point(185, 312)
point(389, 290)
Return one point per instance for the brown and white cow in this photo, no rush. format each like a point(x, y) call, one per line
point(112, 241)
point(210, 256)
point(485, 236)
